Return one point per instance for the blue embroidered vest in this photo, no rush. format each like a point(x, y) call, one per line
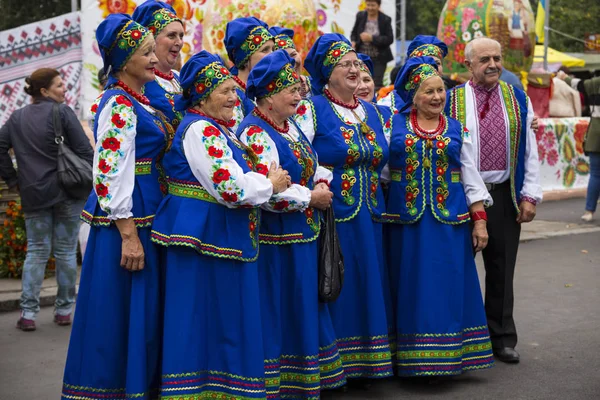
point(164, 101)
point(151, 140)
point(190, 216)
point(355, 158)
point(515, 101)
point(425, 174)
point(300, 161)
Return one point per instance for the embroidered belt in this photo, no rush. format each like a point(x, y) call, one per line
point(143, 166)
point(190, 190)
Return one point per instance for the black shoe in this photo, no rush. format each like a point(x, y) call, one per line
point(507, 355)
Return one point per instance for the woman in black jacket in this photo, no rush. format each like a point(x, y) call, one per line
point(372, 35)
point(51, 216)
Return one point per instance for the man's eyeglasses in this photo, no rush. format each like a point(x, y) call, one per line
point(347, 64)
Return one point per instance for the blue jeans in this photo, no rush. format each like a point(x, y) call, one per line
point(593, 190)
point(52, 229)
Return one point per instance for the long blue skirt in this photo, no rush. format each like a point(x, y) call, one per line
point(440, 319)
point(293, 324)
point(359, 313)
point(212, 340)
point(115, 341)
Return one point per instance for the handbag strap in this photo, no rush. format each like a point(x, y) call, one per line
point(57, 122)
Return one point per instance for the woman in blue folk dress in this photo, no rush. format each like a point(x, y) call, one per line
point(293, 319)
point(434, 192)
point(161, 19)
point(347, 134)
point(247, 41)
point(209, 221)
point(420, 46)
point(114, 350)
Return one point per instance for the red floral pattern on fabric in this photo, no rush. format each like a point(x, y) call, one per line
point(221, 175)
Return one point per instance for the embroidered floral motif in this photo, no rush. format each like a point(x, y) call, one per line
point(161, 18)
point(287, 76)
point(257, 38)
point(335, 53)
point(412, 163)
point(377, 154)
point(109, 149)
point(178, 115)
point(217, 149)
point(349, 175)
point(253, 225)
point(441, 166)
point(421, 73)
point(427, 50)
point(238, 114)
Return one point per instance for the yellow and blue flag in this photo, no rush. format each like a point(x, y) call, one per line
point(540, 19)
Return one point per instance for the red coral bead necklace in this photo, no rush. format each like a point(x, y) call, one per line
point(423, 133)
point(168, 77)
point(286, 125)
point(239, 81)
point(139, 97)
point(229, 124)
point(341, 103)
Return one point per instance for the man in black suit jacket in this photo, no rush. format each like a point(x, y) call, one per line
point(372, 35)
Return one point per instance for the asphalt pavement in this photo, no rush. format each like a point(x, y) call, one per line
point(557, 288)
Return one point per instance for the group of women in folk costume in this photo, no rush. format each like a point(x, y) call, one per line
point(200, 278)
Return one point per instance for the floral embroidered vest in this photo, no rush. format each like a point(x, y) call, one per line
point(355, 158)
point(300, 161)
point(425, 174)
point(164, 101)
point(151, 141)
point(515, 101)
point(191, 217)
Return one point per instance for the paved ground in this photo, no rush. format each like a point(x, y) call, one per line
point(557, 313)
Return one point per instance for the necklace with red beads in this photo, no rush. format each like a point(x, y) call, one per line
point(139, 97)
point(425, 134)
point(168, 77)
point(341, 103)
point(222, 122)
point(239, 81)
point(286, 125)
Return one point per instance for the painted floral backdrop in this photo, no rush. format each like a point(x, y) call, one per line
point(206, 21)
point(511, 22)
point(563, 165)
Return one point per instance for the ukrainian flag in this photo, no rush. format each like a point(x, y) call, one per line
point(540, 19)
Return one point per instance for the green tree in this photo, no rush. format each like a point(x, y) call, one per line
point(21, 12)
point(573, 18)
point(421, 17)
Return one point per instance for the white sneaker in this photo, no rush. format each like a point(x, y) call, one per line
point(588, 216)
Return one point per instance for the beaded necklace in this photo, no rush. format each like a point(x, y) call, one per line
point(168, 77)
point(139, 97)
point(239, 81)
point(229, 124)
point(423, 133)
point(286, 125)
point(341, 103)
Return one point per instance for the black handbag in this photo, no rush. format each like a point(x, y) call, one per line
point(331, 260)
point(74, 173)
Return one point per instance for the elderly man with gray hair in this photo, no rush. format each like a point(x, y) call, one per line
point(499, 117)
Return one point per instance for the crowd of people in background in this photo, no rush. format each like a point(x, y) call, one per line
point(200, 275)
